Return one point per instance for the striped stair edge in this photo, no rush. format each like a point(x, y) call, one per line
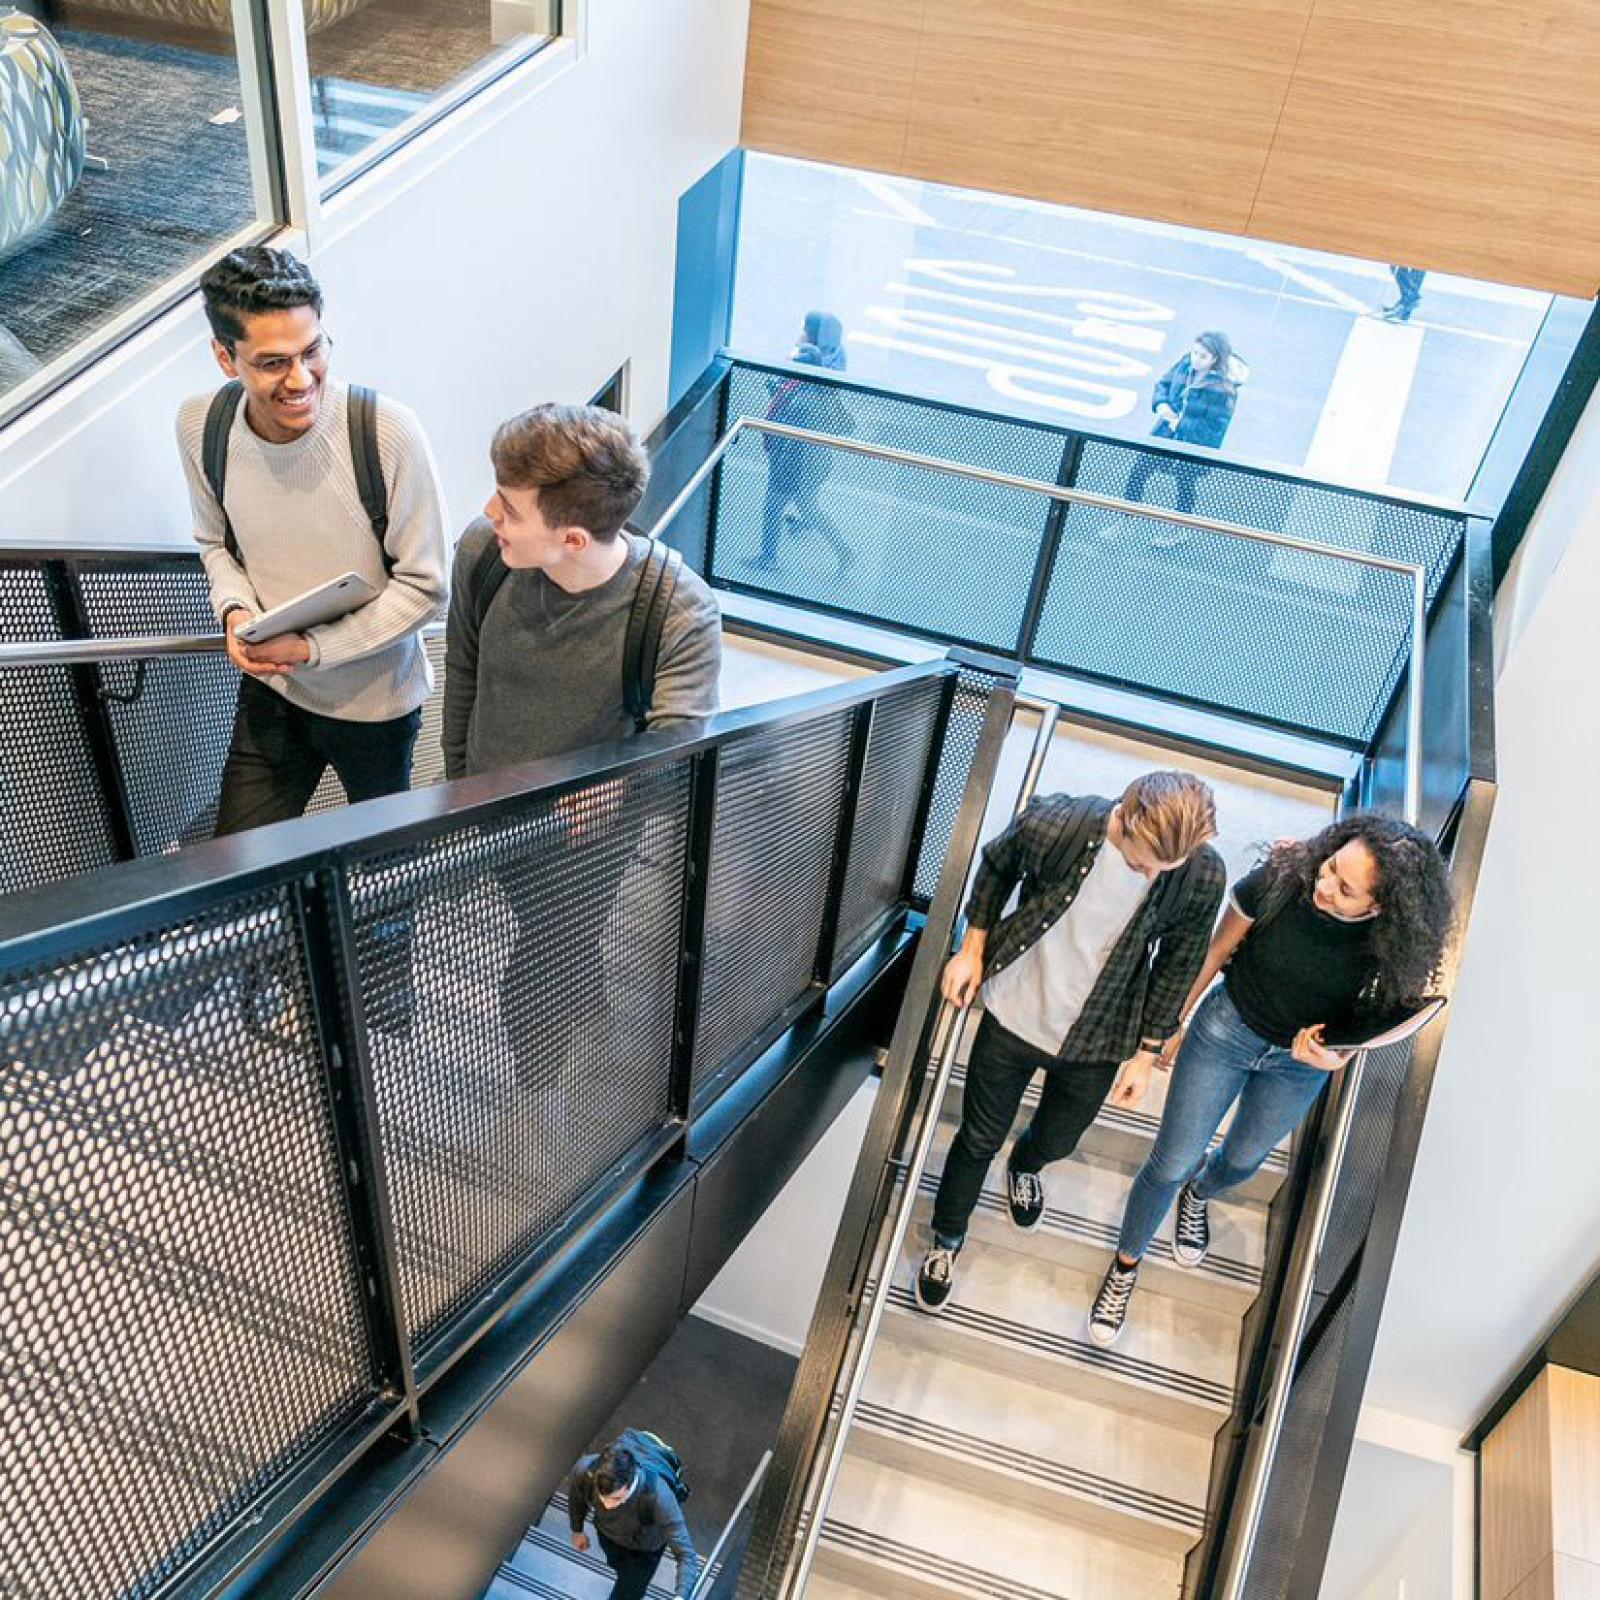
point(1077, 1352)
point(915, 1562)
point(1142, 1124)
point(1177, 1514)
point(1103, 1235)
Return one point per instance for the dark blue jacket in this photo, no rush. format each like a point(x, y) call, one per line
point(1204, 407)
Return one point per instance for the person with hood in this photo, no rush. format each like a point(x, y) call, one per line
point(1193, 402)
point(797, 470)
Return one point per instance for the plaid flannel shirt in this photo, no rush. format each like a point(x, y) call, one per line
point(1146, 978)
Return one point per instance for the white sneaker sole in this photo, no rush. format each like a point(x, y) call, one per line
point(933, 1308)
point(1100, 1338)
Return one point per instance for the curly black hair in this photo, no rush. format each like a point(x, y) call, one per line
point(1415, 906)
point(257, 278)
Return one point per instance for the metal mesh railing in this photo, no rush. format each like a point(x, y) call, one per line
point(1277, 635)
point(180, 1320)
point(518, 984)
point(283, 1129)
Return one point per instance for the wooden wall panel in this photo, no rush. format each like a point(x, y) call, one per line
point(1153, 108)
point(830, 80)
point(1516, 1511)
point(1456, 134)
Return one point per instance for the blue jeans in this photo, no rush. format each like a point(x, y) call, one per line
point(1221, 1061)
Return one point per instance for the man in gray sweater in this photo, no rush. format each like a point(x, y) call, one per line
point(637, 1516)
point(534, 667)
point(349, 692)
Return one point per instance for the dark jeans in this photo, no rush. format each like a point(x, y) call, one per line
point(795, 475)
point(276, 759)
point(999, 1072)
point(1186, 476)
point(278, 754)
point(1408, 280)
point(634, 1568)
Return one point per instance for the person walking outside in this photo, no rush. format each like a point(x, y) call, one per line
point(1193, 401)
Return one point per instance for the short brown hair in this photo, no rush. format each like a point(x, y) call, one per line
point(1172, 813)
point(587, 466)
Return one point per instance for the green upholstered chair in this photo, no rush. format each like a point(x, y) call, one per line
point(41, 129)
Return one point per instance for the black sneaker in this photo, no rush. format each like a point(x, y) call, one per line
point(936, 1277)
point(1110, 1306)
point(1025, 1197)
point(1191, 1232)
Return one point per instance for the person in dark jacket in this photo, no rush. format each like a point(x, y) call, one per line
point(1193, 402)
point(1083, 981)
point(637, 1517)
point(796, 470)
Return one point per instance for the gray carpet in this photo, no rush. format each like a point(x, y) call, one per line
point(178, 184)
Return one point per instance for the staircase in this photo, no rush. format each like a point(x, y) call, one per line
point(995, 1450)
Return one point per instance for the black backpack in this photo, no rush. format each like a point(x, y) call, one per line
point(363, 416)
point(658, 582)
point(654, 1454)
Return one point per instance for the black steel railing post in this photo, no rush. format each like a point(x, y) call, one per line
point(843, 837)
point(1044, 568)
point(714, 487)
point(66, 600)
point(322, 907)
point(930, 786)
point(692, 938)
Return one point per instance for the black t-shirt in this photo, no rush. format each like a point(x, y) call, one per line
point(1298, 968)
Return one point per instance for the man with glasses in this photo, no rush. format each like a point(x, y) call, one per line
point(296, 479)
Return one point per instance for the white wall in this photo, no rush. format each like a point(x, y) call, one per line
point(520, 251)
point(768, 1288)
point(1503, 1226)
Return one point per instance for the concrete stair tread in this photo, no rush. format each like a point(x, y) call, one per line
point(544, 1566)
point(1026, 1316)
point(929, 1411)
point(1084, 1201)
point(904, 1535)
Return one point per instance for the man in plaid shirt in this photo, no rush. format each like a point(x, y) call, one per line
point(1084, 981)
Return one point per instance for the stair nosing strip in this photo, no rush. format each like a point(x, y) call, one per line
point(1151, 1374)
point(848, 1537)
point(1225, 1269)
point(1179, 1514)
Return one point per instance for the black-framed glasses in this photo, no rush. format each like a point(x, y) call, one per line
point(313, 355)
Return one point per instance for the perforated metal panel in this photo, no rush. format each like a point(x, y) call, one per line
point(519, 983)
point(941, 555)
point(1310, 641)
point(179, 1314)
point(53, 822)
point(962, 730)
point(778, 800)
point(886, 809)
point(172, 716)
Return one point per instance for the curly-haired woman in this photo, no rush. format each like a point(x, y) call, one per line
point(1331, 937)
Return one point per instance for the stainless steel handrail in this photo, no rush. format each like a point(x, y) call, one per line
point(709, 1573)
point(946, 1038)
point(130, 647)
point(1417, 573)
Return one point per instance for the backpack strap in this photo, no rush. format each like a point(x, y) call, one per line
point(362, 409)
point(223, 409)
point(1082, 817)
point(488, 573)
point(658, 582)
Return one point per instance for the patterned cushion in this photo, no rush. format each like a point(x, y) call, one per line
point(218, 14)
point(41, 129)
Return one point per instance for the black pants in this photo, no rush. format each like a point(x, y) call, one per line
point(634, 1568)
point(795, 475)
point(999, 1072)
point(276, 759)
point(278, 754)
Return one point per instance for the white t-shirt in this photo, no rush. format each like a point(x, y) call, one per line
point(1040, 996)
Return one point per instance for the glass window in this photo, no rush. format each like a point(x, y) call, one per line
point(1351, 371)
point(382, 68)
point(132, 150)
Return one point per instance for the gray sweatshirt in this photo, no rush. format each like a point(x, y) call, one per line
point(544, 674)
point(649, 1519)
point(298, 518)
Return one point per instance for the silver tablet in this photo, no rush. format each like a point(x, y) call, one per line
point(327, 602)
